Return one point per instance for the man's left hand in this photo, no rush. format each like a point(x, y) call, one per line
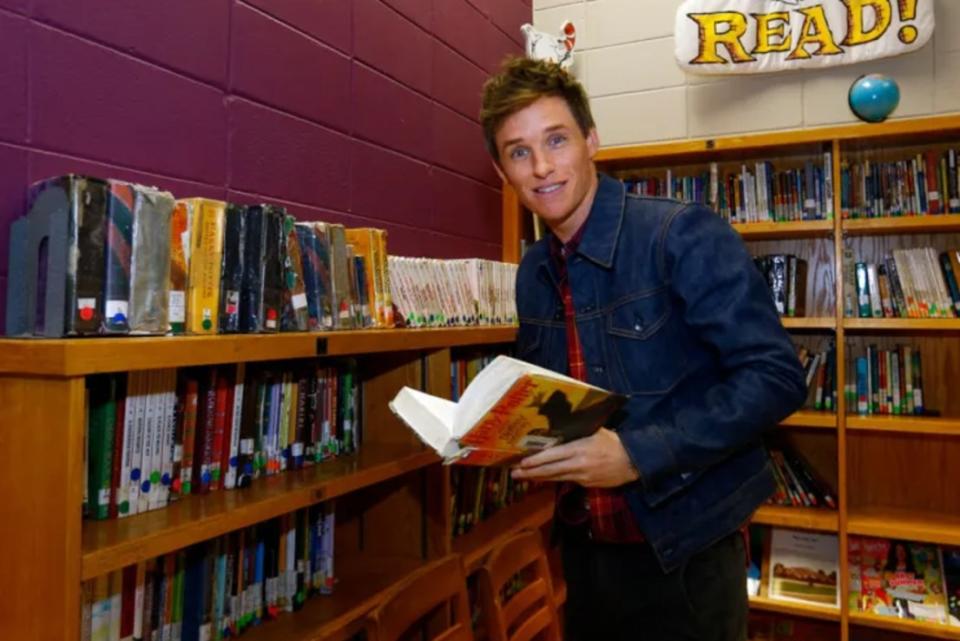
point(595, 461)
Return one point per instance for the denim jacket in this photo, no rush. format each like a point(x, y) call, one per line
point(671, 311)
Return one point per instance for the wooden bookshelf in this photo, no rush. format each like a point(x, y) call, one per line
point(116, 543)
point(79, 357)
point(906, 423)
point(362, 582)
point(806, 610)
point(919, 628)
point(944, 223)
point(902, 523)
point(799, 518)
point(811, 419)
point(531, 512)
point(882, 465)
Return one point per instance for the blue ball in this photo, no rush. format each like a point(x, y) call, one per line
point(873, 97)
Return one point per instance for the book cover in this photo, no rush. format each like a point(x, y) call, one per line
point(206, 260)
point(903, 580)
point(511, 408)
point(296, 315)
point(951, 580)
point(803, 567)
point(179, 260)
point(120, 205)
point(274, 256)
point(251, 292)
point(232, 268)
point(150, 261)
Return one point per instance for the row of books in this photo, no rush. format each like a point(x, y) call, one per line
point(786, 276)
point(217, 589)
point(155, 436)
point(122, 259)
point(886, 381)
point(820, 369)
point(798, 484)
point(463, 370)
point(904, 579)
point(911, 283)
point(925, 184)
point(479, 492)
point(761, 193)
point(431, 292)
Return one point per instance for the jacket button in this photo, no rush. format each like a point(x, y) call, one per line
point(598, 369)
point(637, 327)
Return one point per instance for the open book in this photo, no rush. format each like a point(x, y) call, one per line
point(510, 408)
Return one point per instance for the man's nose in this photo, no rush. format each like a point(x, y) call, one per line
point(542, 164)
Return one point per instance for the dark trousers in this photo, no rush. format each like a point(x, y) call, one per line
point(619, 593)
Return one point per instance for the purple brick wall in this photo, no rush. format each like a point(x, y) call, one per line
point(355, 111)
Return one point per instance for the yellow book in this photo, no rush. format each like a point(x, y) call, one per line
point(206, 258)
point(384, 266)
point(363, 241)
point(510, 409)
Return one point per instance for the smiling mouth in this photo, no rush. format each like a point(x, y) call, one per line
point(548, 189)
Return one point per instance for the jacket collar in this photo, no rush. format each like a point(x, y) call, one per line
point(602, 228)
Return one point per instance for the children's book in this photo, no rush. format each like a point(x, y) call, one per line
point(510, 409)
point(803, 567)
point(903, 580)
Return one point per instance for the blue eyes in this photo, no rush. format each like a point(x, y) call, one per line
point(520, 153)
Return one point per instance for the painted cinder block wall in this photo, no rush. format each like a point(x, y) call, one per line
point(639, 94)
point(355, 111)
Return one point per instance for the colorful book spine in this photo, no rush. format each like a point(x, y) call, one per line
point(206, 260)
point(120, 208)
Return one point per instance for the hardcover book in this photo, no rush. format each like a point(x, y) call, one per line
point(510, 409)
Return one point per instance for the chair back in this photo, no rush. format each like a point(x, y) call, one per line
point(516, 591)
point(438, 587)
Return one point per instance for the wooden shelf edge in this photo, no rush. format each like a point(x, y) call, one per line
point(928, 224)
point(922, 628)
point(809, 322)
point(114, 544)
point(811, 418)
point(811, 611)
point(820, 520)
point(902, 324)
point(784, 230)
point(905, 424)
point(82, 356)
point(531, 512)
point(900, 523)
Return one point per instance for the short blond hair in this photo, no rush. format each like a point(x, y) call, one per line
point(521, 82)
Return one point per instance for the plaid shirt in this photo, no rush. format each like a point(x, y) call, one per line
point(605, 509)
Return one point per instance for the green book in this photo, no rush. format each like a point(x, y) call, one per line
point(103, 416)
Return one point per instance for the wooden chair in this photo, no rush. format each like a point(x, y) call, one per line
point(530, 612)
point(439, 587)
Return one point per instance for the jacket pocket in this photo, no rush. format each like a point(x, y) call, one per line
point(645, 343)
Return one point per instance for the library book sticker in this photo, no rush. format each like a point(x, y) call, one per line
point(759, 36)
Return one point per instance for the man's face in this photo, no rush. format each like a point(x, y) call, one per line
point(549, 162)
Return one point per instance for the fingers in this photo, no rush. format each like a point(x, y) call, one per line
point(550, 455)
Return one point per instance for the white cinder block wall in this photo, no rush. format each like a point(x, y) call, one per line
point(639, 94)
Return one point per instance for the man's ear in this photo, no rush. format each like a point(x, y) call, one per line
point(593, 141)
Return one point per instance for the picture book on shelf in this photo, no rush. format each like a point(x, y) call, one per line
point(511, 408)
point(803, 567)
point(903, 580)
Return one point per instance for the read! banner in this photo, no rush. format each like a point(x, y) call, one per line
point(759, 36)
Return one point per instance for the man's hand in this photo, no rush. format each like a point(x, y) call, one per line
point(596, 461)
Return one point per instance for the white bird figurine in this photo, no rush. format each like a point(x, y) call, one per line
point(545, 46)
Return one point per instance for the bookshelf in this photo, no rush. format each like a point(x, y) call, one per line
point(893, 474)
point(391, 497)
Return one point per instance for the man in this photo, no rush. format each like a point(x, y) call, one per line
point(658, 300)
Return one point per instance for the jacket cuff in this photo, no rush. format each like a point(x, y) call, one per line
point(650, 454)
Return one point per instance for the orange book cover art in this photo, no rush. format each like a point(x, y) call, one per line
point(538, 412)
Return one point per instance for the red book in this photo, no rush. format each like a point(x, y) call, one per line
point(203, 449)
point(128, 599)
point(223, 394)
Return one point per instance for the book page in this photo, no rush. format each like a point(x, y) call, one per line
point(429, 416)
